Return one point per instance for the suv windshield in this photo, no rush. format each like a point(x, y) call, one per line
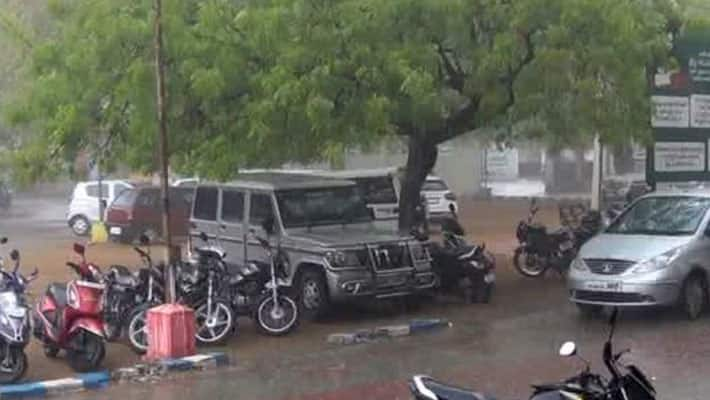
point(671, 215)
point(377, 190)
point(434, 185)
point(326, 206)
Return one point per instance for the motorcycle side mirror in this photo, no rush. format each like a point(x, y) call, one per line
point(3, 240)
point(79, 249)
point(15, 255)
point(452, 209)
point(144, 240)
point(268, 225)
point(568, 349)
point(203, 237)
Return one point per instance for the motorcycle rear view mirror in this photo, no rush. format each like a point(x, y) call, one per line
point(15, 255)
point(3, 240)
point(144, 240)
point(79, 249)
point(568, 349)
point(452, 208)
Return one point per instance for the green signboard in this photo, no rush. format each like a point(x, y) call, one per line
point(681, 118)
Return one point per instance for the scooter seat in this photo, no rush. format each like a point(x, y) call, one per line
point(423, 387)
point(58, 292)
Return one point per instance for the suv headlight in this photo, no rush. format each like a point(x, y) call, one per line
point(342, 258)
point(579, 265)
point(658, 262)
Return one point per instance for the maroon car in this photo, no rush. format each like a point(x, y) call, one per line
point(138, 211)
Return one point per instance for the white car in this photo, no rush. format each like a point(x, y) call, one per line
point(84, 203)
point(440, 200)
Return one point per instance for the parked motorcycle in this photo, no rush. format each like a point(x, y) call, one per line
point(128, 297)
point(627, 382)
point(14, 320)
point(219, 297)
point(70, 317)
point(457, 263)
point(540, 250)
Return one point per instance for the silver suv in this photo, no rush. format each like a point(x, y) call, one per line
point(335, 252)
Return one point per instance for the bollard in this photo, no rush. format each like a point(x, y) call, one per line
point(171, 332)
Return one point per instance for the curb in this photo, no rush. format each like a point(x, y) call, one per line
point(92, 380)
point(100, 380)
point(389, 331)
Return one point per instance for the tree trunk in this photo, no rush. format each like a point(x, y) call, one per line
point(421, 158)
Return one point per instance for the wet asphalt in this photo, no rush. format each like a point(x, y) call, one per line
point(500, 348)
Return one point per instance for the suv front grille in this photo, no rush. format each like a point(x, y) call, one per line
point(607, 266)
point(390, 256)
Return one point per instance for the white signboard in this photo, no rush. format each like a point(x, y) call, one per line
point(502, 164)
point(700, 111)
point(679, 156)
point(670, 112)
point(699, 67)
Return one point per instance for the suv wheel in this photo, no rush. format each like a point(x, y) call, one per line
point(80, 225)
point(694, 296)
point(313, 295)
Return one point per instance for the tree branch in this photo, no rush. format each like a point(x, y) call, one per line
point(514, 71)
point(455, 76)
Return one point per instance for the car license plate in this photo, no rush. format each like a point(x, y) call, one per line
point(604, 286)
point(115, 230)
point(490, 277)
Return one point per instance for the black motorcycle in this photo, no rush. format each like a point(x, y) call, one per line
point(220, 296)
point(540, 249)
point(14, 320)
point(128, 296)
point(459, 264)
point(627, 382)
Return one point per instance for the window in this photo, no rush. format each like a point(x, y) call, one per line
point(260, 208)
point(667, 216)
point(232, 206)
point(125, 199)
point(93, 190)
point(149, 199)
point(119, 188)
point(322, 206)
point(434, 185)
point(377, 190)
point(206, 204)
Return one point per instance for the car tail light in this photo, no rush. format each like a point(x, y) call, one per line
point(450, 196)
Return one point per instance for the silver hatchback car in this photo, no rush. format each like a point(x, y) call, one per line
point(656, 253)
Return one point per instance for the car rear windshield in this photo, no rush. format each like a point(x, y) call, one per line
point(126, 198)
point(434, 186)
point(667, 215)
point(326, 206)
point(377, 190)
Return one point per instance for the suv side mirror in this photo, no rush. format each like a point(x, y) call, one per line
point(144, 239)
point(79, 249)
point(203, 237)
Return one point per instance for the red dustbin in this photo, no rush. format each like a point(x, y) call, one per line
point(171, 332)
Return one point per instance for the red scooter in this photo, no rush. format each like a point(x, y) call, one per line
point(69, 317)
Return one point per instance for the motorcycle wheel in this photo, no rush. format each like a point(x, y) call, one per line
point(13, 365)
point(276, 319)
point(215, 327)
point(528, 264)
point(137, 330)
point(86, 352)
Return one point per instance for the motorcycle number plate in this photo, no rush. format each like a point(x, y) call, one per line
point(603, 286)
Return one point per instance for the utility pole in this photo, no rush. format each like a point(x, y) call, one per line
point(597, 174)
point(163, 136)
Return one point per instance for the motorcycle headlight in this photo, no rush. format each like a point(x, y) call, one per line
point(658, 262)
point(579, 265)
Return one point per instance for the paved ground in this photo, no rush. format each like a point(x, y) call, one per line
point(500, 348)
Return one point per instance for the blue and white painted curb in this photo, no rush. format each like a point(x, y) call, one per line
point(390, 331)
point(93, 380)
point(98, 380)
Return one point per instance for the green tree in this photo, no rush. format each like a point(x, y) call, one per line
point(261, 82)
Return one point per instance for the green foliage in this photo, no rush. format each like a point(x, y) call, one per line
point(261, 82)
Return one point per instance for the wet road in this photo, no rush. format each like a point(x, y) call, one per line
point(499, 348)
